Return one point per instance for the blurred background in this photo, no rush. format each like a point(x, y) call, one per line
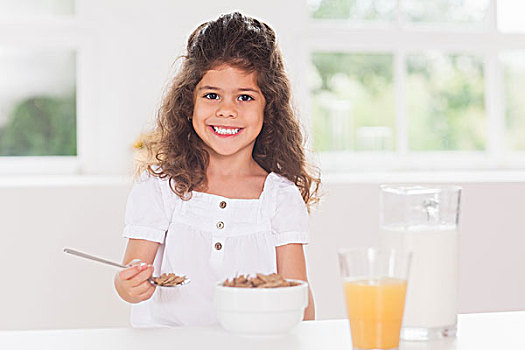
point(388, 91)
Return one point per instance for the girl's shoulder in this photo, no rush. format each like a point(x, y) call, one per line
point(157, 185)
point(280, 182)
point(147, 177)
point(285, 205)
point(281, 191)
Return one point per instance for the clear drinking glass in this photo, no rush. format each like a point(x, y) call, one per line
point(374, 285)
point(424, 220)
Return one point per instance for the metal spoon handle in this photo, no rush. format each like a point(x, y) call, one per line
point(91, 257)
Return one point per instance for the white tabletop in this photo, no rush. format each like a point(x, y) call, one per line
point(494, 331)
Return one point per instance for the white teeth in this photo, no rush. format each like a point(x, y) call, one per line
point(223, 131)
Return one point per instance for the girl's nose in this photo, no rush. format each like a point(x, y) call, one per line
point(226, 109)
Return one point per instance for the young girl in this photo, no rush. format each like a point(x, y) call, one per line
point(227, 191)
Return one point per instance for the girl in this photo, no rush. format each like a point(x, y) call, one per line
point(227, 191)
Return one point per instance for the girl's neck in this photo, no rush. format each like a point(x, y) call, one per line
point(235, 180)
point(228, 166)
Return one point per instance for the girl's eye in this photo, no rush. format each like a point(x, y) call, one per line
point(245, 98)
point(211, 96)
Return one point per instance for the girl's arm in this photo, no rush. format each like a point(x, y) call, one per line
point(140, 249)
point(291, 264)
point(132, 283)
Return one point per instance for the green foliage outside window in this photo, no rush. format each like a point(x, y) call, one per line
point(355, 87)
point(446, 103)
point(40, 126)
point(332, 9)
point(514, 76)
point(360, 10)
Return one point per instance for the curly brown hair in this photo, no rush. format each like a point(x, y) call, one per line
point(176, 151)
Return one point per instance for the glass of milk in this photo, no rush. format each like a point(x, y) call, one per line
point(424, 220)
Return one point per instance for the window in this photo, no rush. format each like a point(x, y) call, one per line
point(514, 88)
point(36, 8)
point(38, 65)
point(353, 102)
point(413, 84)
point(445, 102)
point(38, 113)
point(355, 10)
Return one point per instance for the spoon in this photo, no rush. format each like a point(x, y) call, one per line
point(112, 263)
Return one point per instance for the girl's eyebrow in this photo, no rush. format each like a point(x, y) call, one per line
point(209, 87)
point(249, 89)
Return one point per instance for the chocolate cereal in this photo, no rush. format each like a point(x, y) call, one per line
point(169, 280)
point(273, 280)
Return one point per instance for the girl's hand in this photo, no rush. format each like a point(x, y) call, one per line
point(132, 283)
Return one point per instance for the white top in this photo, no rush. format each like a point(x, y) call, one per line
point(209, 238)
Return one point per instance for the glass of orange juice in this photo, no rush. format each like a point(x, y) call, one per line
point(374, 285)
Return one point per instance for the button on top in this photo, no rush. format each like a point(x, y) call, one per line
point(218, 246)
point(222, 204)
point(220, 225)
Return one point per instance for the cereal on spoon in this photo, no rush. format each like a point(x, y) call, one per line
point(169, 280)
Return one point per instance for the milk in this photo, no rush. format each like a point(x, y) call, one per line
point(431, 300)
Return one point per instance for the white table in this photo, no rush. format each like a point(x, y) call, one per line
point(494, 331)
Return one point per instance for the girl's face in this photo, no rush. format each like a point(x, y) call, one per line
point(228, 111)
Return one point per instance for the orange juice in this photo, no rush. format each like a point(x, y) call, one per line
point(375, 310)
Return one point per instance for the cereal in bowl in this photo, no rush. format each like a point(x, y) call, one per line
point(260, 280)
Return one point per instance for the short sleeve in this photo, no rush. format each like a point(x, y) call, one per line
point(290, 221)
point(146, 216)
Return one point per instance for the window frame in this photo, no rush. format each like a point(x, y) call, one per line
point(400, 39)
point(55, 32)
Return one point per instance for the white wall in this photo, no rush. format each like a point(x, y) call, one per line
point(44, 288)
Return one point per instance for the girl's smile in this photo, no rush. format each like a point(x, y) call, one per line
point(225, 131)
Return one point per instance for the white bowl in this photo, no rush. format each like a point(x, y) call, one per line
point(261, 311)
